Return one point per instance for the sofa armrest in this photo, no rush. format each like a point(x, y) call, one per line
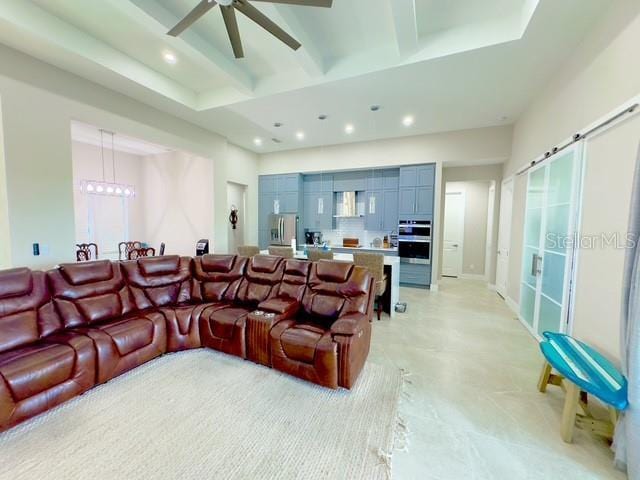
point(283, 307)
point(350, 324)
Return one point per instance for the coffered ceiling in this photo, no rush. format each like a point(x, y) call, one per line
point(450, 64)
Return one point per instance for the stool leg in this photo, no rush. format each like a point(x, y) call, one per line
point(569, 412)
point(544, 377)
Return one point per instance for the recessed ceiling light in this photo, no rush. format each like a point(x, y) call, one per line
point(300, 135)
point(257, 141)
point(348, 128)
point(170, 57)
point(408, 120)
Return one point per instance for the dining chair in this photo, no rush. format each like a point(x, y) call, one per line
point(248, 250)
point(141, 252)
point(285, 252)
point(125, 247)
point(374, 262)
point(86, 251)
point(315, 254)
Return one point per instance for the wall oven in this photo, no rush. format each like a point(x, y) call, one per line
point(414, 241)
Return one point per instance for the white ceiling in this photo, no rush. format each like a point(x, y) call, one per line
point(452, 64)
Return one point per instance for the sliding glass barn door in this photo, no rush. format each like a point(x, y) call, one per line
point(553, 195)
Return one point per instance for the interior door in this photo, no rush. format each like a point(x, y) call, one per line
point(504, 237)
point(553, 195)
point(453, 234)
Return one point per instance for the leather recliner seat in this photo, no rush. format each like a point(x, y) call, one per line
point(41, 364)
point(82, 324)
point(328, 341)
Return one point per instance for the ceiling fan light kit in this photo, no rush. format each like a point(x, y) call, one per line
point(228, 9)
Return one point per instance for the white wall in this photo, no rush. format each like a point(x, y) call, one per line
point(236, 194)
point(177, 201)
point(38, 103)
point(601, 75)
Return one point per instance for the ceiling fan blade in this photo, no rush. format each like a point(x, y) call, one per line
point(304, 3)
point(261, 19)
point(229, 16)
point(198, 11)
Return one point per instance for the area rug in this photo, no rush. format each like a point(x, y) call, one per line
point(206, 415)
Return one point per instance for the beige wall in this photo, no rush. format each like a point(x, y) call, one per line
point(599, 77)
point(5, 238)
point(474, 243)
point(87, 165)
point(177, 201)
point(479, 179)
point(38, 103)
point(480, 146)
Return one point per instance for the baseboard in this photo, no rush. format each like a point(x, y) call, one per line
point(473, 276)
point(511, 303)
point(434, 287)
point(492, 287)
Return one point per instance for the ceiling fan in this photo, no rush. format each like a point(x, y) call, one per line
point(228, 9)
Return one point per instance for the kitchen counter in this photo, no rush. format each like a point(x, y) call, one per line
point(392, 270)
point(336, 248)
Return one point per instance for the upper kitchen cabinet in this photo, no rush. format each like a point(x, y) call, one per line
point(390, 179)
point(277, 194)
point(418, 176)
point(354, 181)
point(318, 182)
point(416, 192)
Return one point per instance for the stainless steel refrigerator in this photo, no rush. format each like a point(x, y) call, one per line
point(283, 228)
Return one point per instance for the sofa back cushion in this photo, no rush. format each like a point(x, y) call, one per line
point(89, 292)
point(294, 280)
point(335, 289)
point(217, 277)
point(26, 311)
point(159, 281)
point(261, 279)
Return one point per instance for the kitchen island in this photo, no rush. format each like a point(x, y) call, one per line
point(391, 269)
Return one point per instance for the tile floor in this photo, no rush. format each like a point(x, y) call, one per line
point(472, 406)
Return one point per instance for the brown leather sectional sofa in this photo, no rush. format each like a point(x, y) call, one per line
point(80, 325)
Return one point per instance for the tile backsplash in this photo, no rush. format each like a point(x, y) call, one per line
point(351, 228)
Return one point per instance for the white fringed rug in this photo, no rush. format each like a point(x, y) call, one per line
point(206, 415)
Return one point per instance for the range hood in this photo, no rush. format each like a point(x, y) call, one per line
point(347, 208)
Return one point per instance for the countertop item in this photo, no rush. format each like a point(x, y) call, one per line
point(350, 242)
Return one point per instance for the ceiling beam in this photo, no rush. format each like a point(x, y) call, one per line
point(406, 26)
point(159, 20)
point(309, 55)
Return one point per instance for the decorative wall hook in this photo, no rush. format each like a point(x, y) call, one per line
point(233, 217)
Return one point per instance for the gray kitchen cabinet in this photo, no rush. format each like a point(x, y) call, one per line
point(425, 176)
point(391, 179)
point(267, 184)
point(424, 201)
point(406, 201)
point(390, 210)
point(318, 211)
point(415, 274)
point(354, 181)
point(375, 180)
point(408, 176)
point(286, 191)
point(288, 202)
point(373, 210)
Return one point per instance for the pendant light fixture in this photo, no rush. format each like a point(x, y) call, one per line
point(104, 187)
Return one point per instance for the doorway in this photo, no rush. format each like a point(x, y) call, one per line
point(504, 237)
point(236, 199)
point(452, 247)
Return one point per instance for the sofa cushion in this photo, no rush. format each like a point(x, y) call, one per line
point(164, 265)
point(36, 368)
point(299, 342)
point(217, 277)
point(15, 282)
point(87, 272)
point(222, 321)
point(130, 334)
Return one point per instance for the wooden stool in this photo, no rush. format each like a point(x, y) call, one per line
point(581, 371)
